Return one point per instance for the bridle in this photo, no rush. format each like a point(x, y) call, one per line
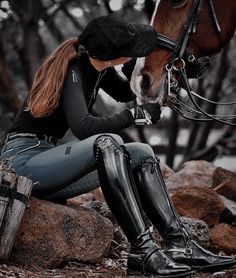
point(179, 57)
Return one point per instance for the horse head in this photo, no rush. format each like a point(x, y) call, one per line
point(169, 19)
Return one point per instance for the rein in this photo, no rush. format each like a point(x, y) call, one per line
point(177, 64)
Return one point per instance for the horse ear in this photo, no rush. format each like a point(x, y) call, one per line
point(177, 2)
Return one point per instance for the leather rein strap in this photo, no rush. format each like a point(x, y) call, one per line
point(180, 54)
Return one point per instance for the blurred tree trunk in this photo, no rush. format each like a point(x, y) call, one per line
point(48, 18)
point(107, 5)
point(141, 134)
point(194, 128)
point(54, 30)
point(76, 24)
point(6, 83)
point(32, 50)
point(222, 69)
point(173, 131)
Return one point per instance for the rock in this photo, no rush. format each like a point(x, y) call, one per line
point(223, 238)
point(166, 171)
point(51, 235)
point(94, 195)
point(200, 203)
point(192, 173)
point(198, 230)
point(102, 208)
point(119, 242)
point(228, 215)
point(224, 183)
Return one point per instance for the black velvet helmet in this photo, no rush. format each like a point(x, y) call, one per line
point(111, 37)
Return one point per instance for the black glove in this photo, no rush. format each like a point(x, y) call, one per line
point(146, 114)
point(128, 68)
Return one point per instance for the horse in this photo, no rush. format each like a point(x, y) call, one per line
point(187, 30)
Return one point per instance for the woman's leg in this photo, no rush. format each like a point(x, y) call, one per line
point(58, 167)
point(84, 185)
point(116, 179)
point(160, 210)
point(138, 152)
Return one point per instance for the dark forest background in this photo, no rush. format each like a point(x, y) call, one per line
point(29, 30)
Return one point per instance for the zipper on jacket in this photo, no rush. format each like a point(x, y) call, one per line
point(94, 94)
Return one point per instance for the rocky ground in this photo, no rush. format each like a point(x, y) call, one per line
point(57, 241)
point(108, 268)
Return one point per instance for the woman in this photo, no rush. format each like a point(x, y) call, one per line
point(62, 96)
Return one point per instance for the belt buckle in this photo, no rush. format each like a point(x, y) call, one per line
point(42, 137)
point(50, 139)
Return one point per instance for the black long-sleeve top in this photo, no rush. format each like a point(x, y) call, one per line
point(78, 96)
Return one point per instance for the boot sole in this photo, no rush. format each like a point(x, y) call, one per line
point(137, 273)
point(215, 267)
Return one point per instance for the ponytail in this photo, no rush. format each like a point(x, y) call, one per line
point(45, 93)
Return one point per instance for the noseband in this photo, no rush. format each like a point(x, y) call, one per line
point(180, 55)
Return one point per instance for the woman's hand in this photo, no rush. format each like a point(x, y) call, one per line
point(146, 114)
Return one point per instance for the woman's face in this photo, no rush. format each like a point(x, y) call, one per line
point(101, 65)
point(118, 61)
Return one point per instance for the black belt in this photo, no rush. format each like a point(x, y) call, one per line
point(13, 136)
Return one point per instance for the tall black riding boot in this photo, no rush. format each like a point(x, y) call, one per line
point(116, 181)
point(160, 210)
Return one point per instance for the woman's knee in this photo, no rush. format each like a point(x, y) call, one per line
point(138, 152)
point(116, 137)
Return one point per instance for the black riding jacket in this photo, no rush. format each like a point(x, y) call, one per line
point(78, 96)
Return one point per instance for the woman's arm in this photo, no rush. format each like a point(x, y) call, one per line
point(81, 122)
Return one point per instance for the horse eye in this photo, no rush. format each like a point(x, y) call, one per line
point(177, 2)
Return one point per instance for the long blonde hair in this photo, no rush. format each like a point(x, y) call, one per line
point(45, 93)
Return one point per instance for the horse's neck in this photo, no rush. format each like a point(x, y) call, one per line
point(225, 13)
point(226, 10)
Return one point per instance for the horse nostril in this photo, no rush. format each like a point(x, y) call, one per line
point(146, 82)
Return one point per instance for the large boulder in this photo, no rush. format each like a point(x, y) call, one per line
point(192, 173)
point(94, 195)
point(199, 202)
point(197, 229)
point(223, 237)
point(50, 235)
